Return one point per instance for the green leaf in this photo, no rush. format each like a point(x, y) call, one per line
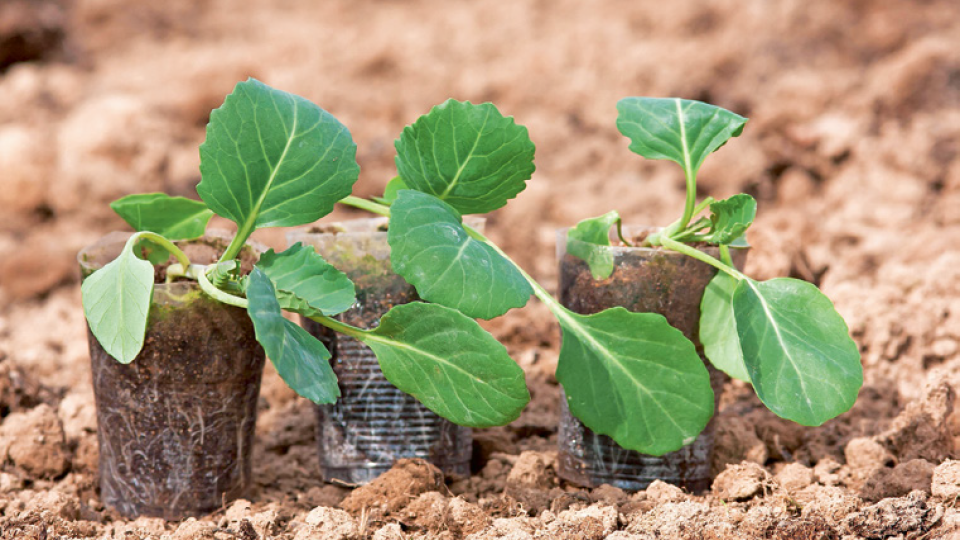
point(449, 363)
point(273, 159)
point(589, 240)
point(393, 188)
point(802, 362)
point(116, 302)
point(306, 283)
point(468, 155)
point(300, 359)
point(635, 378)
point(431, 250)
point(730, 219)
point(680, 130)
point(718, 327)
point(175, 218)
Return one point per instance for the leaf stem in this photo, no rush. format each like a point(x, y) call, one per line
point(725, 255)
point(620, 233)
point(674, 230)
point(364, 204)
point(199, 272)
point(333, 324)
point(680, 247)
point(167, 244)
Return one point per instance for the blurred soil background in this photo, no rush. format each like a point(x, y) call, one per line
point(852, 150)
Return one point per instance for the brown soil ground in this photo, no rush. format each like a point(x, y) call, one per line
point(853, 151)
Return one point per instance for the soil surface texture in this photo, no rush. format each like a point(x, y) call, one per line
point(852, 151)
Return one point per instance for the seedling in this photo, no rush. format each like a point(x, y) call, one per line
point(273, 159)
point(628, 375)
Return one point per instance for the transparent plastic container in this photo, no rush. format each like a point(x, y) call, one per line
point(644, 280)
point(373, 424)
point(176, 425)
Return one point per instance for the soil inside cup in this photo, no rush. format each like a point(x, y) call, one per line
point(644, 280)
point(176, 425)
point(373, 424)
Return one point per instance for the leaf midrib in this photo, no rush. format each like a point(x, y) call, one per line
point(456, 179)
point(783, 344)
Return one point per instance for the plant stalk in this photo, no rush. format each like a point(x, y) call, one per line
point(167, 244)
point(333, 324)
point(680, 247)
point(364, 204)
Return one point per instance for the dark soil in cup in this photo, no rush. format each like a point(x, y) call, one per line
point(374, 424)
point(176, 425)
point(644, 280)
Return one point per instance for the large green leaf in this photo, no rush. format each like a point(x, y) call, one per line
point(174, 218)
point(730, 218)
point(454, 367)
point(116, 302)
point(718, 327)
point(300, 359)
point(273, 159)
point(802, 362)
point(635, 378)
point(589, 240)
point(680, 130)
point(306, 283)
point(430, 248)
point(469, 155)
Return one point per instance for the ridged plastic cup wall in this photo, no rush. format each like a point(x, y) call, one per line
point(176, 425)
point(644, 280)
point(373, 424)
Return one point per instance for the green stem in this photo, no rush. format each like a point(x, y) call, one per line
point(725, 255)
point(620, 233)
point(691, 203)
point(243, 233)
point(333, 324)
point(674, 229)
point(679, 247)
point(199, 272)
point(364, 204)
point(168, 245)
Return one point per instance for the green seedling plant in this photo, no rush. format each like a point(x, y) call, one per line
point(783, 336)
point(627, 375)
point(274, 159)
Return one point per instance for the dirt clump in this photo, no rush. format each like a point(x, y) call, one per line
point(740, 482)
point(913, 475)
point(394, 489)
point(945, 483)
point(907, 517)
point(533, 481)
point(31, 30)
point(34, 442)
point(795, 477)
point(327, 523)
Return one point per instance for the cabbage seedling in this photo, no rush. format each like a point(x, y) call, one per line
point(783, 335)
point(273, 159)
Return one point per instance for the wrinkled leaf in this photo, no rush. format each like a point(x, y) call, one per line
point(730, 219)
point(116, 302)
point(680, 130)
point(454, 367)
point(174, 218)
point(588, 241)
point(802, 362)
point(393, 188)
point(300, 359)
point(307, 284)
point(431, 250)
point(635, 378)
point(273, 159)
point(468, 155)
point(718, 327)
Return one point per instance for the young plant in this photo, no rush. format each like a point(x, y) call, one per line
point(273, 159)
point(783, 335)
point(627, 375)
